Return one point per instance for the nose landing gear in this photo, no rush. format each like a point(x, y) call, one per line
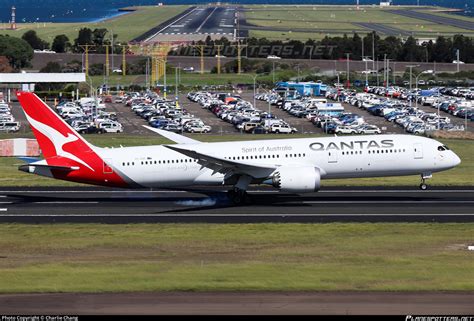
point(424, 177)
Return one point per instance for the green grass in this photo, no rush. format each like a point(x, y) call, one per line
point(337, 18)
point(127, 26)
point(459, 176)
point(231, 257)
point(281, 35)
point(194, 79)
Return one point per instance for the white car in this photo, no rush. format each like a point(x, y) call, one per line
point(110, 127)
point(368, 129)
point(199, 129)
point(9, 127)
point(367, 59)
point(117, 70)
point(345, 130)
point(273, 57)
point(282, 129)
point(458, 62)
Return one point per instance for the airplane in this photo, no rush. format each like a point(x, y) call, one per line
point(289, 165)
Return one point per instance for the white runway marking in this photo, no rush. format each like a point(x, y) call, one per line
point(205, 20)
point(256, 191)
point(3, 209)
point(66, 202)
point(387, 202)
point(234, 215)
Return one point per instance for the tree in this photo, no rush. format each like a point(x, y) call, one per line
point(83, 38)
point(51, 66)
point(35, 42)
point(61, 43)
point(5, 65)
point(18, 51)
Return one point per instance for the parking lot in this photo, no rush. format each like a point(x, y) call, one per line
point(133, 124)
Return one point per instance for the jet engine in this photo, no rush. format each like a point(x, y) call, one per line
point(297, 179)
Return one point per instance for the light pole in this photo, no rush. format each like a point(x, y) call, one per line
point(254, 91)
point(176, 93)
point(416, 93)
point(411, 72)
point(348, 71)
point(366, 58)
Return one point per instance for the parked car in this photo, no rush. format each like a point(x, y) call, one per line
point(111, 127)
point(368, 129)
point(282, 129)
point(199, 129)
point(345, 130)
point(9, 127)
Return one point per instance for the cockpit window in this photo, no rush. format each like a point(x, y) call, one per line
point(446, 147)
point(443, 148)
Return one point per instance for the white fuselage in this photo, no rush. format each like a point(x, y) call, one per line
point(334, 157)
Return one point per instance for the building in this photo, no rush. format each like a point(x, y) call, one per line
point(304, 88)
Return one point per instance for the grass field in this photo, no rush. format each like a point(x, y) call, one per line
point(196, 79)
point(127, 26)
point(459, 176)
point(339, 18)
point(207, 257)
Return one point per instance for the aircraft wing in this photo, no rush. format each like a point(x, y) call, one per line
point(177, 138)
point(226, 166)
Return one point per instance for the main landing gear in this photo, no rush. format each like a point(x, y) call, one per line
point(238, 195)
point(424, 177)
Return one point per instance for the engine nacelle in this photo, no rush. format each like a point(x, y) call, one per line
point(297, 179)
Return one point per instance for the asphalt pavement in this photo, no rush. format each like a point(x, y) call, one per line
point(203, 21)
point(350, 204)
point(463, 24)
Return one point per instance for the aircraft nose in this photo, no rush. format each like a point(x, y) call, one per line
point(456, 160)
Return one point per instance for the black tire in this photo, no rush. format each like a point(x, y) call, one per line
point(423, 187)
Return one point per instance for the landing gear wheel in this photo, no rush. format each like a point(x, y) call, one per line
point(238, 196)
point(423, 185)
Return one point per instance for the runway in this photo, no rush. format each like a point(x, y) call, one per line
point(216, 21)
point(385, 29)
point(96, 205)
point(463, 24)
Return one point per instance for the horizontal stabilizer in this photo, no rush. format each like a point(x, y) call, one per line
point(29, 168)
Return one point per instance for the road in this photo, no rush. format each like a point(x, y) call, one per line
point(229, 303)
point(201, 21)
point(43, 205)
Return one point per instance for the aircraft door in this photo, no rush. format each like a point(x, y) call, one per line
point(108, 166)
point(332, 156)
point(418, 151)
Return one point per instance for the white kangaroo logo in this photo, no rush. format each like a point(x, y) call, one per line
point(58, 140)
